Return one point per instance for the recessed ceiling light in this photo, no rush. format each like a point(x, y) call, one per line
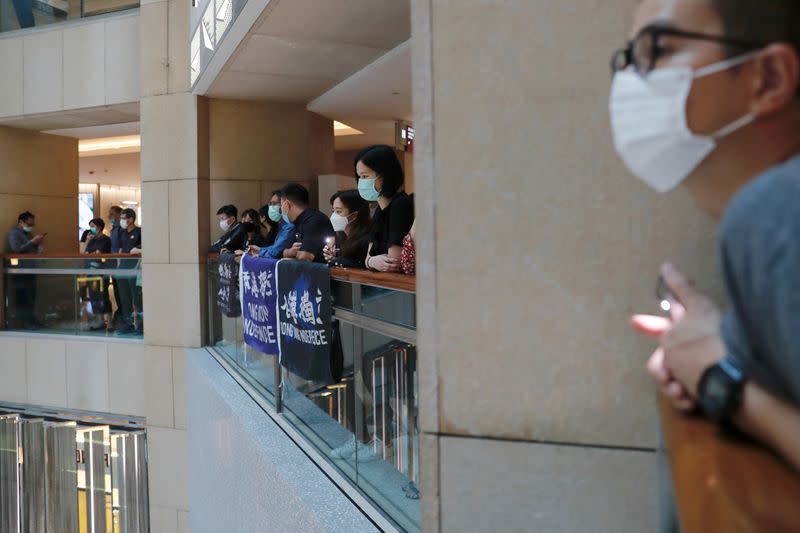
point(340, 129)
point(127, 143)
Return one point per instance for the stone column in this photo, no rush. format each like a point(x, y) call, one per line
point(174, 198)
point(536, 408)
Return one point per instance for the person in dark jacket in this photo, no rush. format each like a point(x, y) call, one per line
point(235, 235)
point(21, 242)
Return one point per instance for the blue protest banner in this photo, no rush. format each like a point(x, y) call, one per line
point(305, 320)
point(257, 283)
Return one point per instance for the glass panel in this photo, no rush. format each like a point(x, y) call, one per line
point(22, 14)
point(366, 423)
point(90, 296)
point(388, 305)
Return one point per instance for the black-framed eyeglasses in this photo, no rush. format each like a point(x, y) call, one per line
point(644, 51)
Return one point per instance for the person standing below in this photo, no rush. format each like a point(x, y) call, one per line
point(114, 215)
point(380, 179)
point(235, 235)
point(708, 94)
point(21, 241)
point(98, 243)
point(311, 227)
point(130, 294)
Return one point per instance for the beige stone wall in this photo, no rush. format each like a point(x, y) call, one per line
point(258, 147)
point(39, 173)
point(536, 408)
point(174, 168)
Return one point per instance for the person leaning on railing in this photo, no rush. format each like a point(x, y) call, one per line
point(380, 178)
point(350, 221)
point(708, 94)
point(129, 290)
point(281, 234)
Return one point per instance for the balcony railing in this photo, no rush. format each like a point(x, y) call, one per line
point(24, 14)
point(94, 295)
point(724, 483)
point(365, 425)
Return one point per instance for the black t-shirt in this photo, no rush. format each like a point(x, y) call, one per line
point(391, 225)
point(313, 228)
point(100, 243)
point(131, 240)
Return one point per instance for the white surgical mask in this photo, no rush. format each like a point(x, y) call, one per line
point(224, 225)
point(123, 223)
point(339, 222)
point(648, 119)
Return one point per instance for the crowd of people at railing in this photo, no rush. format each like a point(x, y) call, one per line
point(353, 236)
point(124, 237)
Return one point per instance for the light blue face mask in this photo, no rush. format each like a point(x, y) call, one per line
point(274, 213)
point(93, 230)
point(367, 190)
point(285, 218)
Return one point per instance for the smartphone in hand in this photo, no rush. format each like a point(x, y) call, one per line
point(666, 298)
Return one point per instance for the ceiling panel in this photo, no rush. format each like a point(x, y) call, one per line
point(97, 116)
point(264, 54)
point(371, 23)
point(246, 86)
point(96, 132)
point(382, 90)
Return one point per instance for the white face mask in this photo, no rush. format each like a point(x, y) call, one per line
point(123, 223)
point(339, 222)
point(648, 118)
point(224, 225)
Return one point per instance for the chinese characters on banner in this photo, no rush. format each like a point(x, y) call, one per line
point(259, 304)
point(228, 286)
point(304, 319)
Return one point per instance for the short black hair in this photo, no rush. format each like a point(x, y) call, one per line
point(760, 21)
point(383, 160)
point(116, 209)
point(228, 211)
point(296, 193)
point(278, 193)
point(99, 222)
point(354, 203)
point(129, 213)
point(254, 216)
point(24, 217)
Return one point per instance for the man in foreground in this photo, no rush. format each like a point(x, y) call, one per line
point(707, 94)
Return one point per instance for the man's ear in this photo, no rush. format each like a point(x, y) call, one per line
point(776, 79)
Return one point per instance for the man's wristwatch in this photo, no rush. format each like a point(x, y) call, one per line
point(720, 391)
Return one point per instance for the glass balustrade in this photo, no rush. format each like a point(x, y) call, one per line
point(94, 295)
point(24, 14)
point(365, 425)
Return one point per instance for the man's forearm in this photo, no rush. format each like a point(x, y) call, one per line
point(772, 421)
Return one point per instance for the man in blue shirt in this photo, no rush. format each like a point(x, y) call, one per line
point(284, 239)
point(708, 94)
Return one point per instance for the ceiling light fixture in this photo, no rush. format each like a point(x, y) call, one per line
point(340, 129)
point(127, 142)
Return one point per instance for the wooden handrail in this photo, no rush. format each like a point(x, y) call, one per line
point(70, 256)
point(398, 282)
point(383, 280)
point(726, 484)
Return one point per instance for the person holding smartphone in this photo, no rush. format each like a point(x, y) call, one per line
point(707, 94)
point(21, 240)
